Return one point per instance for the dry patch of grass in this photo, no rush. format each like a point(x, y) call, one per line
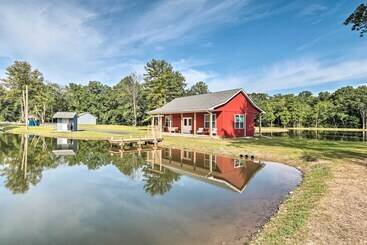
point(341, 216)
point(296, 211)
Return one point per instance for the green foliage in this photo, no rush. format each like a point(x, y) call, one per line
point(24, 158)
point(129, 100)
point(358, 19)
point(198, 88)
point(346, 108)
point(162, 84)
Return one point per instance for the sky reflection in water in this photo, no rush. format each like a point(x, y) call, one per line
point(64, 191)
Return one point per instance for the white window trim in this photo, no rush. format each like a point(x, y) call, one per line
point(238, 163)
point(207, 120)
point(187, 155)
point(244, 121)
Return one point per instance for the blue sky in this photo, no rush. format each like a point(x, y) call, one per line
point(261, 46)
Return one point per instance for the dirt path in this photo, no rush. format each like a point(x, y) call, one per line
point(341, 216)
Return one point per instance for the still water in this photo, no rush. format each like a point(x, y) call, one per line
point(322, 135)
point(59, 191)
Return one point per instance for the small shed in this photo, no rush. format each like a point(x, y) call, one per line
point(66, 121)
point(87, 118)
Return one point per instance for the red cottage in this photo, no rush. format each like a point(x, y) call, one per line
point(229, 113)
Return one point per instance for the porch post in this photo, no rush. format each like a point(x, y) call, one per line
point(210, 163)
point(160, 123)
point(194, 122)
point(182, 121)
point(210, 124)
point(152, 127)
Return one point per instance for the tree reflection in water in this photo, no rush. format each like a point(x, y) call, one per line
point(158, 182)
point(24, 158)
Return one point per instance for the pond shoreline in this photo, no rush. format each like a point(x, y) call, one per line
point(251, 202)
point(318, 161)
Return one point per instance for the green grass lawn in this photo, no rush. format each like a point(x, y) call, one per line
point(281, 129)
point(317, 159)
point(88, 132)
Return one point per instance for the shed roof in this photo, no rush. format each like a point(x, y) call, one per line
point(85, 113)
point(64, 114)
point(202, 102)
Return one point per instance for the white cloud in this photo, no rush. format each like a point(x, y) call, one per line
point(71, 42)
point(169, 20)
point(312, 10)
point(190, 69)
point(193, 76)
point(55, 38)
point(292, 74)
point(302, 73)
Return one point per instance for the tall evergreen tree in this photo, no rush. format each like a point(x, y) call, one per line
point(162, 84)
point(198, 88)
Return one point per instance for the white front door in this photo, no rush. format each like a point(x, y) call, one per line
point(187, 125)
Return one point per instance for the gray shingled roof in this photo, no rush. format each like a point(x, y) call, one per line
point(63, 114)
point(196, 103)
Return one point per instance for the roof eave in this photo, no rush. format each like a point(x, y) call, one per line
point(234, 95)
point(178, 112)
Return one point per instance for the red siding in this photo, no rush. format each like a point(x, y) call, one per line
point(225, 117)
point(226, 113)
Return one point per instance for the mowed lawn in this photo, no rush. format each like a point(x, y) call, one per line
point(87, 132)
point(317, 212)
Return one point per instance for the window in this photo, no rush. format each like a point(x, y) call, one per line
point(237, 163)
point(207, 120)
point(168, 121)
point(239, 121)
point(187, 155)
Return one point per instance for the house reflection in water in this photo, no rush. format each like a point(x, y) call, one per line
point(223, 171)
point(65, 147)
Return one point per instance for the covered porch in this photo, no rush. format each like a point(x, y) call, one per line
point(193, 123)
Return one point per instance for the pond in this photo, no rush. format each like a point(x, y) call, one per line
point(61, 191)
point(321, 135)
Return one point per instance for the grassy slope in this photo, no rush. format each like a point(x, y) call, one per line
point(316, 159)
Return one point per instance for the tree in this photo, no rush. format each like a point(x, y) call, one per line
point(285, 117)
point(18, 76)
point(2, 103)
point(322, 111)
point(128, 98)
point(131, 88)
point(198, 88)
point(360, 101)
point(358, 19)
point(162, 84)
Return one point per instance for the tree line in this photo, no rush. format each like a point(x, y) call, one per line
point(344, 108)
point(133, 96)
point(127, 102)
